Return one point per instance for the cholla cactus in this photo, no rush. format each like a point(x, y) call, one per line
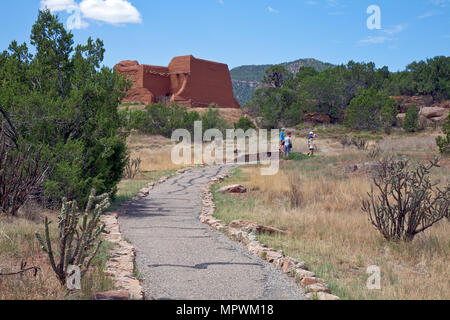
point(79, 234)
point(407, 203)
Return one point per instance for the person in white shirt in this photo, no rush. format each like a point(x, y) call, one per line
point(288, 145)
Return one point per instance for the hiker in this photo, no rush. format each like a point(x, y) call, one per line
point(282, 138)
point(311, 146)
point(288, 144)
point(311, 136)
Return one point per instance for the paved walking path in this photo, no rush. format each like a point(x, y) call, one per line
point(181, 258)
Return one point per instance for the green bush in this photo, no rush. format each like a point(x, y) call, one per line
point(164, 120)
point(411, 123)
point(297, 156)
point(276, 107)
point(371, 110)
point(160, 119)
point(245, 124)
point(212, 119)
point(60, 96)
point(444, 142)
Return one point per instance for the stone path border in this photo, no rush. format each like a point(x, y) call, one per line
point(121, 265)
point(316, 287)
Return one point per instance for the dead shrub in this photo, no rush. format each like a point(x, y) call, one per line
point(345, 141)
point(22, 170)
point(374, 153)
point(360, 143)
point(132, 168)
point(295, 192)
point(407, 203)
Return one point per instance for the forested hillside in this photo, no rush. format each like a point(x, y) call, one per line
point(246, 79)
point(356, 94)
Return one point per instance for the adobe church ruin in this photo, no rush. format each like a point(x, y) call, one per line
point(187, 81)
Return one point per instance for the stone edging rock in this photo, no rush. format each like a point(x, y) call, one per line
point(121, 265)
point(315, 287)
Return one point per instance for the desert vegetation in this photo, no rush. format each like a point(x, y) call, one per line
point(60, 99)
point(443, 142)
point(63, 135)
point(321, 201)
point(159, 119)
point(357, 94)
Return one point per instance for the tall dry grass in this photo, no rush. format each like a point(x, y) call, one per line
point(18, 244)
point(331, 233)
point(155, 153)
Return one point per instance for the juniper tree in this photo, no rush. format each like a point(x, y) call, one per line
point(60, 96)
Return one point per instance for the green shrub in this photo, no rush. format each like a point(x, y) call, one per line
point(411, 123)
point(212, 119)
point(444, 142)
point(245, 124)
point(296, 156)
point(61, 97)
point(371, 110)
point(160, 119)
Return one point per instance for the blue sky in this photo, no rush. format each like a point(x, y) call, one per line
point(241, 32)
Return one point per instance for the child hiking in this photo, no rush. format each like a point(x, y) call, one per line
point(311, 146)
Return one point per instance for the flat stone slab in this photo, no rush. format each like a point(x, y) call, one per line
point(181, 258)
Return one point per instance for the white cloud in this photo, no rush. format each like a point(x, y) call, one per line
point(272, 10)
point(387, 37)
point(221, 1)
point(109, 11)
point(441, 3)
point(398, 28)
point(75, 21)
point(333, 4)
point(375, 40)
point(430, 14)
point(312, 3)
point(59, 5)
point(336, 13)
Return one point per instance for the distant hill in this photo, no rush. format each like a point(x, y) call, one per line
point(246, 79)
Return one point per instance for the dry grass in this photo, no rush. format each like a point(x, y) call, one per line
point(154, 151)
point(330, 232)
point(230, 115)
point(422, 143)
point(18, 244)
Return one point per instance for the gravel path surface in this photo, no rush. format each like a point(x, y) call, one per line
point(181, 258)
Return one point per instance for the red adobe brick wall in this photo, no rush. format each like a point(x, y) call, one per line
point(190, 82)
point(156, 80)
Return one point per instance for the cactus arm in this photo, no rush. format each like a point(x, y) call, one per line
point(91, 258)
point(49, 246)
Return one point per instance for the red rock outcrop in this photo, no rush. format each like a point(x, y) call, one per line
point(316, 117)
point(431, 112)
point(187, 81)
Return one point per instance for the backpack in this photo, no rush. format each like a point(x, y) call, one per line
point(289, 142)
